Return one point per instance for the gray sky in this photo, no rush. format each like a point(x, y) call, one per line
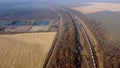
point(90, 0)
point(62, 0)
point(17, 0)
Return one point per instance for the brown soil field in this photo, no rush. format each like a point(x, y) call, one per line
point(27, 50)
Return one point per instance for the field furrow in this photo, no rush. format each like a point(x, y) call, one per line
point(27, 50)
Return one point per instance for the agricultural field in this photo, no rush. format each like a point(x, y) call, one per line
point(88, 8)
point(29, 26)
point(28, 11)
point(27, 17)
point(17, 29)
point(39, 28)
point(27, 50)
point(107, 14)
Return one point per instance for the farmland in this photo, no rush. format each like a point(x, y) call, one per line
point(65, 39)
point(27, 17)
point(27, 50)
point(88, 8)
point(107, 14)
point(110, 49)
point(29, 11)
point(29, 26)
point(99, 50)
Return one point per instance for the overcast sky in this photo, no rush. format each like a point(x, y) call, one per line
point(17, 0)
point(90, 0)
point(62, 0)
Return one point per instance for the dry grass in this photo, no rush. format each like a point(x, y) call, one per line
point(97, 7)
point(27, 50)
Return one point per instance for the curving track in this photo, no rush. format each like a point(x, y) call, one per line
point(58, 59)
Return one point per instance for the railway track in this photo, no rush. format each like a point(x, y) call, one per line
point(52, 50)
point(91, 49)
point(72, 47)
point(76, 52)
point(92, 55)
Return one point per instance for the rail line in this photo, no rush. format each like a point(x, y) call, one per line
point(76, 24)
point(52, 49)
point(89, 44)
